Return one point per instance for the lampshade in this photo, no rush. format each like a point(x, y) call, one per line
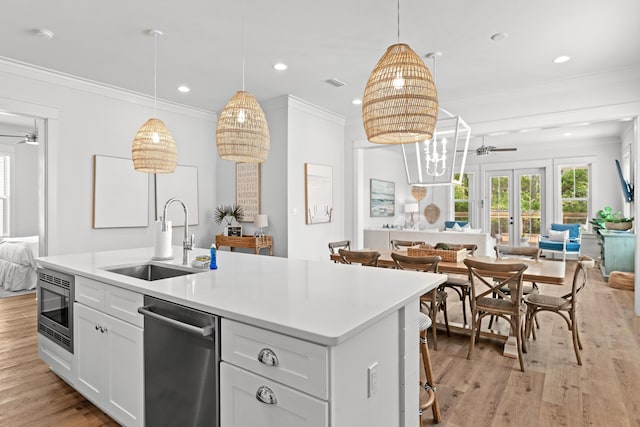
point(261, 221)
point(411, 207)
point(400, 103)
point(153, 149)
point(242, 134)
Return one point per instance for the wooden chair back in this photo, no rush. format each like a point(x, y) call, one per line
point(397, 244)
point(344, 244)
point(417, 263)
point(366, 258)
point(485, 282)
point(579, 277)
point(525, 252)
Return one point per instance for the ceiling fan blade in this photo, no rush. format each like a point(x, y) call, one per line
point(504, 149)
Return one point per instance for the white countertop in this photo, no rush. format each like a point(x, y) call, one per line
point(317, 301)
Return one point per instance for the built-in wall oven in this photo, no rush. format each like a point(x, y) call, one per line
point(55, 307)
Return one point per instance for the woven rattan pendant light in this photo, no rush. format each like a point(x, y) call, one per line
point(153, 149)
point(400, 102)
point(242, 133)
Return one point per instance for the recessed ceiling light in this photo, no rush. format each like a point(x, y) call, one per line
point(280, 66)
point(498, 133)
point(44, 33)
point(626, 119)
point(530, 130)
point(356, 101)
point(567, 134)
point(184, 89)
point(499, 36)
point(583, 124)
point(561, 59)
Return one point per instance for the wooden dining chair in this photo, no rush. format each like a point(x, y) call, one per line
point(565, 305)
point(399, 244)
point(519, 252)
point(366, 258)
point(461, 284)
point(508, 306)
point(342, 244)
point(435, 300)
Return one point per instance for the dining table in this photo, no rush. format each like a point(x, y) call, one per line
point(538, 271)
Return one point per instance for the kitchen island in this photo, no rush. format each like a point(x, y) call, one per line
point(353, 329)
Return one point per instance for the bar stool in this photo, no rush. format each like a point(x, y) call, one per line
point(428, 385)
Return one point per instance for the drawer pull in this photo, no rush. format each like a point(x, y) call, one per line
point(268, 357)
point(266, 395)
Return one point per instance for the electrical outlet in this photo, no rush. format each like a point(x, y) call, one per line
point(372, 375)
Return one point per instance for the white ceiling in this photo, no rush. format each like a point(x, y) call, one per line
point(202, 44)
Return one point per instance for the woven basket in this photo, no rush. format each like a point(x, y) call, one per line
point(621, 280)
point(620, 226)
point(242, 134)
point(446, 255)
point(400, 103)
point(153, 149)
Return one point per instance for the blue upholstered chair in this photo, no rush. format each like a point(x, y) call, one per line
point(451, 224)
point(560, 242)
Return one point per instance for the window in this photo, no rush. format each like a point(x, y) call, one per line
point(574, 184)
point(4, 195)
point(462, 199)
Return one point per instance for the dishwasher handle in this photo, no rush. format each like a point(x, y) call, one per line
point(205, 332)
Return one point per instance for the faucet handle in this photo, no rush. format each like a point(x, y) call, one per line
point(192, 241)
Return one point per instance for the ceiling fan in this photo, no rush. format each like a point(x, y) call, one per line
point(27, 138)
point(485, 150)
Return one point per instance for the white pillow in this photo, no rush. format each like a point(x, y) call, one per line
point(558, 236)
point(456, 227)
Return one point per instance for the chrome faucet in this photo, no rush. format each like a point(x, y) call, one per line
point(187, 242)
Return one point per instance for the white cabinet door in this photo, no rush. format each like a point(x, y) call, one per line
point(110, 364)
point(90, 352)
point(124, 371)
point(280, 405)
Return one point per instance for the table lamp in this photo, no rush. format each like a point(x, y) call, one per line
point(261, 221)
point(411, 208)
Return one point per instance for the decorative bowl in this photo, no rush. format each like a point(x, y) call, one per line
point(620, 226)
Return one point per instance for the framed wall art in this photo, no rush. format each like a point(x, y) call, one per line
point(248, 190)
point(383, 198)
point(318, 184)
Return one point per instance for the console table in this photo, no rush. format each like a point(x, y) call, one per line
point(251, 242)
point(618, 249)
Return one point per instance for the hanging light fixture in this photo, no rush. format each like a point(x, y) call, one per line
point(435, 159)
point(400, 103)
point(242, 133)
point(154, 150)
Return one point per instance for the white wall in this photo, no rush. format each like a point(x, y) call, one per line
point(95, 119)
point(24, 215)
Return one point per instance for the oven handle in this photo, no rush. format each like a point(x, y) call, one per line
point(205, 332)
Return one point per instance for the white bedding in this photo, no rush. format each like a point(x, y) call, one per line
point(17, 265)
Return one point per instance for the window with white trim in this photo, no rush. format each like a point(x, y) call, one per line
point(574, 193)
point(462, 201)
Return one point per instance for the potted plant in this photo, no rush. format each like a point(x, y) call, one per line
point(612, 221)
point(227, 213)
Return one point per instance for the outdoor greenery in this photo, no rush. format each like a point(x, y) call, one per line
point(575, 193)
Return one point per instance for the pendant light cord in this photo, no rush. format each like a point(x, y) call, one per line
point(155, 75)
point(398, 21)
point(244, 6)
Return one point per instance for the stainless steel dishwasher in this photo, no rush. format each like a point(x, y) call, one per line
point(181, 365)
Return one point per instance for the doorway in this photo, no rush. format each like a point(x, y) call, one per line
point(516, 202)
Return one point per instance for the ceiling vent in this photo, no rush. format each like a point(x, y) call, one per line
point(335, 82)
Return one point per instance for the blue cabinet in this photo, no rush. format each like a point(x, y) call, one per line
point(617, 251)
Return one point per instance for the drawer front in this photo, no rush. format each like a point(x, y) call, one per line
point(300, 364)
point(123, 304)
point(280, 405)
point(90, 292)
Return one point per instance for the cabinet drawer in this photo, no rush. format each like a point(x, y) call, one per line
point(120, 303)
point(297, 363)
point(90, 292)
point(240, 406)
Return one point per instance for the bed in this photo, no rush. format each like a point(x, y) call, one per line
point(17, 264)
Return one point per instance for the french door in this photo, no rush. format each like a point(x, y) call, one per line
point(515, 205)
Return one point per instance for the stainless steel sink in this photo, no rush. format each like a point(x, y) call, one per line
point(150, 272)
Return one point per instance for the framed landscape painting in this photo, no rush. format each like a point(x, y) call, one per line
point(383, 198)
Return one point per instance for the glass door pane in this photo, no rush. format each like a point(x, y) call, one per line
point(500, 218)
point(530, 207)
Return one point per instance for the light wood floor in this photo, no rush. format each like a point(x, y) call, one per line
point(30, 394)
point(488, 390)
